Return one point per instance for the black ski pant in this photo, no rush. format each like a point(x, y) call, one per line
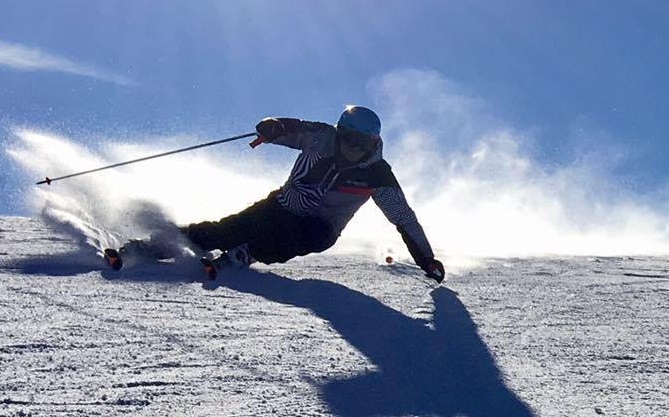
point(272, 233)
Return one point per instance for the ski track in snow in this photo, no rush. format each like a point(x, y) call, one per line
point(328, 335)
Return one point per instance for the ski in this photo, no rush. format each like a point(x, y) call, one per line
point(113, 259)
point(237, 257)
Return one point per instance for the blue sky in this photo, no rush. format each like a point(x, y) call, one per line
point(576, 78)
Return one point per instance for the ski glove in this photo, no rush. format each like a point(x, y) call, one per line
point(434, 269)
point(270, 129)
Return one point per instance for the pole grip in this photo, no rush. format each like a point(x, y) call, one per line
point(257, 141)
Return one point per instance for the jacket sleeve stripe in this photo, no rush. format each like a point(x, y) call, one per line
point(392, 202)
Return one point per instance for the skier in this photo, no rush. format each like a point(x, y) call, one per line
point(338, 169)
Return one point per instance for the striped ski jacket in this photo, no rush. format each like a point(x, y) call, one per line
point(321, 185)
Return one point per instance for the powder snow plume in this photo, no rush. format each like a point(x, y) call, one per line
point(106, 208)
point(478, 190)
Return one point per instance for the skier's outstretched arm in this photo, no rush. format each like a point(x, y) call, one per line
point(293, 133)
point(393, 203)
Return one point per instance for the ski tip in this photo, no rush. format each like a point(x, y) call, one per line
point(113, 259)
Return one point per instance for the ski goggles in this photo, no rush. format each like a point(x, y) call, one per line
point(361, 141)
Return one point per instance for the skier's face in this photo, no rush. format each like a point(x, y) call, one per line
point(354, 146)
point(350, 153)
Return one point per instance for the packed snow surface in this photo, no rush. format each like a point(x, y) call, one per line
point(327, 335)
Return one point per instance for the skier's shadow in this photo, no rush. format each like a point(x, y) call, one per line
point(445, 371)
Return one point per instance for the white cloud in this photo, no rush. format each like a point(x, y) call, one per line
point(23, 58)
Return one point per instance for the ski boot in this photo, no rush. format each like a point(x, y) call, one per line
point(238, 257)
point(145, 249)
point(113, 259)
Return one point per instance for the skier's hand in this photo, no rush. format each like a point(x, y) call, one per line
point(434, 269)
point(270, 129)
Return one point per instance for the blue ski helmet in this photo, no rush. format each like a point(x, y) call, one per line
point(360, 119)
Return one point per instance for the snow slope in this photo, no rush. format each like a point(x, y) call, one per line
point(327, 335)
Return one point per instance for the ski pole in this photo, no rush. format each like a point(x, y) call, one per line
point(190, 148)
